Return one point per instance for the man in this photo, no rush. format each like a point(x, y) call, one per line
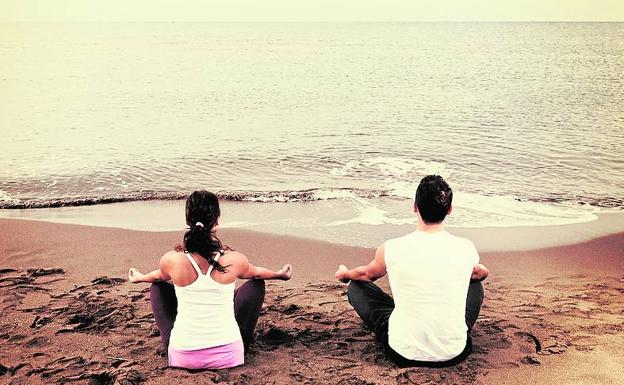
point(435, 279)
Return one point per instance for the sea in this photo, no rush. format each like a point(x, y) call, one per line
point(324, 125)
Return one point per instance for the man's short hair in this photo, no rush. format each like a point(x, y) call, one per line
point(433, 199)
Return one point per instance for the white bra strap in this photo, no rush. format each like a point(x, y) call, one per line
point(216, 259)
point(195, 266)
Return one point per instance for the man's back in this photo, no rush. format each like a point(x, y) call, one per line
point(436, 282)
point(429, 274)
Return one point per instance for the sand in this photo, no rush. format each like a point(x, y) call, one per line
point(551, 316)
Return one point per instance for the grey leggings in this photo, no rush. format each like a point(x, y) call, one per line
point(374, 307)
point(248, 299)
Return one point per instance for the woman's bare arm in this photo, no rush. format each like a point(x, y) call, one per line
point(246, 270)
point(255, 272)
point(160, 274)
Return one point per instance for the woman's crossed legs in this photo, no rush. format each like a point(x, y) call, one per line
point(248, 299)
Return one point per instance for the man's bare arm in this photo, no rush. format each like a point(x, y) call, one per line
point(371, 272)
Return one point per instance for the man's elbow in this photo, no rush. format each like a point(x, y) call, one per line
point(372, 276)
point(484, 272)
point(479, 274)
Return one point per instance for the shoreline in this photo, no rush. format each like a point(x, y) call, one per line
point(321, 221)
point(551, 315)
point(267, 248)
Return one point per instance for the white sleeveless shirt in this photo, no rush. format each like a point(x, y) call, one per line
point(429, 274)
point(205, 313)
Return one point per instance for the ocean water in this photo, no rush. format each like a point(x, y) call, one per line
point(525, 120)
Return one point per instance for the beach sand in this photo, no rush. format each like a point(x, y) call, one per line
point(551, 316)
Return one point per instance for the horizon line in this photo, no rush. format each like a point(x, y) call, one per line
point(311, 21)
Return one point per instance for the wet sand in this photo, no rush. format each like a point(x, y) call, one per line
point(552, 316)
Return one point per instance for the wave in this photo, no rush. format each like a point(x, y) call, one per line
point(35, 203)
point(8, 202)
point(390, 167)
point(371, 207)
point(397, 190)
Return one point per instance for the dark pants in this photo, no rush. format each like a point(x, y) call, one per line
point(248, 299)
point(374, 307)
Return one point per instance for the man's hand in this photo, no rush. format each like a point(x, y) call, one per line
point(341, 274)
point(479, 273)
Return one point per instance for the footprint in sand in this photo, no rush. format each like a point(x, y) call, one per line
point(290, 309)
point(530, 360)
point(41, 272)
point(537, 345)
point(108, 281)
point(40, 321)
point(101, 379)
point(132, 377)
point(37, 341)
point(354, 381)
point(275, 336)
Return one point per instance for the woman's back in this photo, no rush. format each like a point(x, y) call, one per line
point(203, 322)
point(205, 311)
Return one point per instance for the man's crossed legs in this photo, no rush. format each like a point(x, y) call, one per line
point(374, 307)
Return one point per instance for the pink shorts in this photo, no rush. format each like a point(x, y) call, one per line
point(216, 357)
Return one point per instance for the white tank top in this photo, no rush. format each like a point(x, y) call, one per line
point(429, 274)
point(205, 313)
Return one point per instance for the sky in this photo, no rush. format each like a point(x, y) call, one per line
point(311, 10)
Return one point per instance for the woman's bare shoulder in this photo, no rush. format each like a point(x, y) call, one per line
point(234, 255)
point(172, 257)
point(234, 258)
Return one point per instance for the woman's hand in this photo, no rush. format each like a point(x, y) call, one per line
point(135, 276)
point(285, 272)
point(341, 274)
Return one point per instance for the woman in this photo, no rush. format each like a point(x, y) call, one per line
point(200, 326)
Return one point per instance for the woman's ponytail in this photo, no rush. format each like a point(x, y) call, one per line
point(202, 214)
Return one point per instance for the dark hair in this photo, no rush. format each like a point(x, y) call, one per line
point(433, 199)
point(202, 214)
